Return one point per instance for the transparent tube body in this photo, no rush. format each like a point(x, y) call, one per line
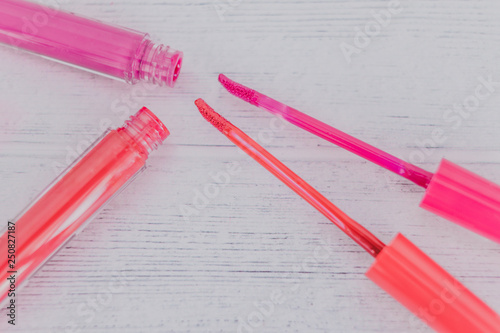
point(68, 204)
point(88, 44)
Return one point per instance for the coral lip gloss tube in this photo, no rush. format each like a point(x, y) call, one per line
point(87, 44)
point(65, 207)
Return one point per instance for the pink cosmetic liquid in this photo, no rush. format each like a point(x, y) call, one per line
point(87, 44)
point(65, 207)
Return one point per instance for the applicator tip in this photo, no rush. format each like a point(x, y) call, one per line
point(239, 90)
point(211, 116)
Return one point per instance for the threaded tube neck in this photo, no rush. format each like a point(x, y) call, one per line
point(146, 130)
point(156, 63)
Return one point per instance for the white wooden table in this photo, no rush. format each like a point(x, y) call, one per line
point(145, 265)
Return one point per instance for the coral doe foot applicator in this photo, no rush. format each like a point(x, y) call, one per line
point(88, 44)
point(400, 268)
point(69, 203)
point(452, 192)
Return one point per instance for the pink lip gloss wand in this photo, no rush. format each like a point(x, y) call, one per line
point(112, 51)
point(68, 204)
point(400, 268)
point(452, 192)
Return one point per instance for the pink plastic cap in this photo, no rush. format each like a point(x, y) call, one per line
point(427, 290)
point(464, 198)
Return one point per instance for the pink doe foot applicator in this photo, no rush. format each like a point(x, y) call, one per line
point(452, 192)
point(400, 268)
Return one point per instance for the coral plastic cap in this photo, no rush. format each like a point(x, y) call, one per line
point(464, 198)
point(431, 293)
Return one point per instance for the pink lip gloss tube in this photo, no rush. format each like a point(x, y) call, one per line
point(68, 204)
point(87, 44)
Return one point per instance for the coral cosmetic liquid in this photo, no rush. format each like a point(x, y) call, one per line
point(65, 207)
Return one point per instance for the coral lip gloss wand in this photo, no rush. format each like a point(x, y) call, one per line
point(400, 268)
point(452, 192)
point(101, 48)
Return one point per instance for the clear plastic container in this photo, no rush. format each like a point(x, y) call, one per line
point(69, 203)
point(88, 44)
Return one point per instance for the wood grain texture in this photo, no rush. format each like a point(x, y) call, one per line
point(144, 266)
